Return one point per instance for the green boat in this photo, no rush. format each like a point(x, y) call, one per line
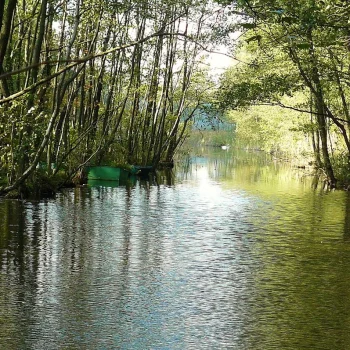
point(106, 173)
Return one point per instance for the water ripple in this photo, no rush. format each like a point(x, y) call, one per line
point(204, 264)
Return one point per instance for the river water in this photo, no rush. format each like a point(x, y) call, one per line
point(233, 251)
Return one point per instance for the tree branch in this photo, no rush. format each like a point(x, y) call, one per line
point(76, 62)
point(279, 104)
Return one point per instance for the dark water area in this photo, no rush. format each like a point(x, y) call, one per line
point(231, 251)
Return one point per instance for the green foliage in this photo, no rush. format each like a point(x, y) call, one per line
point(214, 138)
point(273, 129)
point(260, 82)
point(295, 47)
point(341, 163)
point(101, 82)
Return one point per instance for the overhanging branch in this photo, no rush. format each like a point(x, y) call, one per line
point(279, 104)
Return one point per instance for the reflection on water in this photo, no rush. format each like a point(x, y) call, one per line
point(232, 251)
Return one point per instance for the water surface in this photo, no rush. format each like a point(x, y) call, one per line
point(233, 251)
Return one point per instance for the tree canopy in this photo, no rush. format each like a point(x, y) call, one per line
point(295, 46)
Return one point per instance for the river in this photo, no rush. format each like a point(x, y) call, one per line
point(233, 251)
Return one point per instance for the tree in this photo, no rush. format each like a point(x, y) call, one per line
point(99, 82)
point(312, 39)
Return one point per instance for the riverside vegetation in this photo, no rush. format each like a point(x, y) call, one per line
point(119, 82)
point(296, 62)
point(98, 82)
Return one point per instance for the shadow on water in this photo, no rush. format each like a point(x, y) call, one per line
point(230, 250)
point(347, 220)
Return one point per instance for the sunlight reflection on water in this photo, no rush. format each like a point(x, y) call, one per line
point(234, 256)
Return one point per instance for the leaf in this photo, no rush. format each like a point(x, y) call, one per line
point(248, 25)
point(303, 46)
point(289, 20)
point(254, 38)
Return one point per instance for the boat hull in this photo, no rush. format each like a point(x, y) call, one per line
point(106, 173)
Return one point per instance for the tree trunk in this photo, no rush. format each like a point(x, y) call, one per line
point(7, 17)
point(314, 83)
